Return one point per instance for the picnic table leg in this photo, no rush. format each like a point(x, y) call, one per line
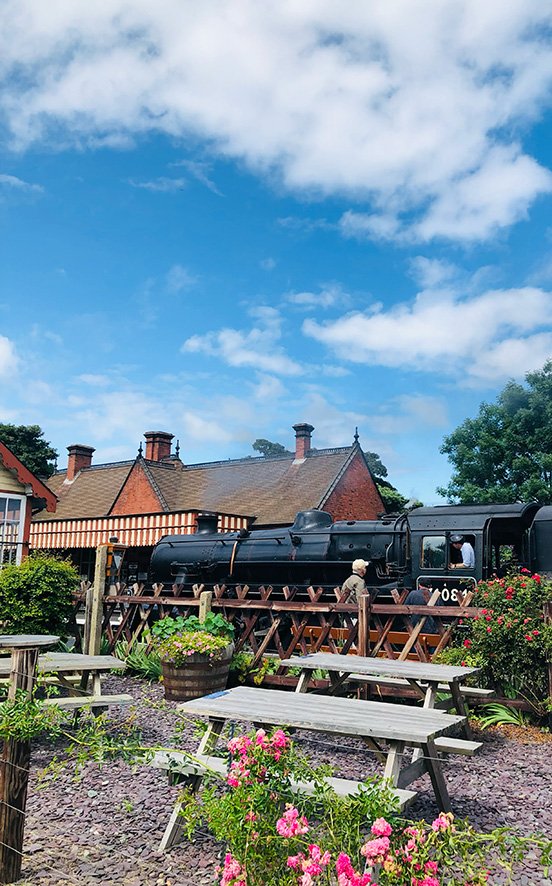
point(433, 766)
point(460, 707)
point(173, 831)
point(303, 681)
point(429, 704)
point(393, 763)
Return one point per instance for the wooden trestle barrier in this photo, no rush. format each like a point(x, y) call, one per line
point(283, 620)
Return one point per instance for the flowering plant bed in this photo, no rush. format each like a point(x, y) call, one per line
point(510, 640)
point(276, 836)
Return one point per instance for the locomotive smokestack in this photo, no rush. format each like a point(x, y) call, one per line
point(302, 440)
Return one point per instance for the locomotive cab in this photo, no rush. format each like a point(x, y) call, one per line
point(499, 535)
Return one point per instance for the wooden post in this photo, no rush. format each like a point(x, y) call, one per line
point(94, 605)
point(364, 612)
point(14, 762)
point(205, 600)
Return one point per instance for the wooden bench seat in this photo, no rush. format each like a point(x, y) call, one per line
point(452, 745)
point(73, 702)
point(177, 763)
point(467, 691)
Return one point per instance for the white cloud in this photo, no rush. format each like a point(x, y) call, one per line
point(162, 184)
point(329, 295)
point(258, 347)
point(200, 171)
point(431, 272)
point(268, 388)
point(17, 184)
point(179, 278)
point(413, 107)
point(484, 338)
point(200, 429)
point(96, 381)
point(8, 357)
point(267, 264)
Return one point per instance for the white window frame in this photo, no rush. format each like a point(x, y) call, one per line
point(20, 529)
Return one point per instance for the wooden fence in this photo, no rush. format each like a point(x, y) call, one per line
point(282, 620)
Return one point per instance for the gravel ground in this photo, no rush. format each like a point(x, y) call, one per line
point(104, 828)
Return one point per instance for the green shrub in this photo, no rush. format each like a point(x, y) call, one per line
point(510, 640)
point(35, 597)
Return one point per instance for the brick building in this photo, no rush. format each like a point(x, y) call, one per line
point(21, 495)
point(157, 494)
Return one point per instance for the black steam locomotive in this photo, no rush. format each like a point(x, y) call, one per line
point(400, 549)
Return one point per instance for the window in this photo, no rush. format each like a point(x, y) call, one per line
point(12, 512)
point(433, 552)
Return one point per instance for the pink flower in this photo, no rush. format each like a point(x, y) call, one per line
point(431, 867)
point(443, 822)
point(231, 871)
point(536, 633)
point(381, 828)
point(346, 875)
point(291, 824)
point(375, 850)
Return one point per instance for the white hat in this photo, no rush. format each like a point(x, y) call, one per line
point(360, 564)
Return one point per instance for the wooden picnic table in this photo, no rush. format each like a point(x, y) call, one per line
point(426, 678)
point(63, 664)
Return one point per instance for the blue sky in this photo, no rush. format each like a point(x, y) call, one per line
point(221, 219)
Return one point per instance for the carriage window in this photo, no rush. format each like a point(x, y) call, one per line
point(433, 552)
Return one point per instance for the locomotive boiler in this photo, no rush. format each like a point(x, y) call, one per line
point(400, 549)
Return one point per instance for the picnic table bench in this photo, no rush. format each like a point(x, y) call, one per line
point(374, 722)
point(425, 677)
point(68, 670)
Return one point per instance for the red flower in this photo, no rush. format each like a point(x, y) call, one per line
point(489, 630)
point(528, 637)
point(467, 643)
point(525, 571)
point(536, 577)
point(536, 633)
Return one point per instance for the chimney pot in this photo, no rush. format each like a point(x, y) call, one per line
point(158, 445)
point(303, 433)
point(80, 457)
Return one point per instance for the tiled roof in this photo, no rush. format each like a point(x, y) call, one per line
point(91, 493)
point(271, 489)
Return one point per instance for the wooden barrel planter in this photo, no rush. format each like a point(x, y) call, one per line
point(200, 675)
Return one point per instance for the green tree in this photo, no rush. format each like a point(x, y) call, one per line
point(505, 453)
point(267, 447)
point(28, 444)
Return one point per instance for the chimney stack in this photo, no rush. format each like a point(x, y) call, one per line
point(158, 445)
point(79, 457)
point(302, 440)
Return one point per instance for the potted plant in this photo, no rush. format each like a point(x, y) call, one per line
point(195, 656)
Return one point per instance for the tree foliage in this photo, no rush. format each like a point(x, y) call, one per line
point(505, 453)
point(28, 444)
point(267, 447)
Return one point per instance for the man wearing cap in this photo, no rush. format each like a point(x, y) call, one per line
point(355, 584)
point(465, 548)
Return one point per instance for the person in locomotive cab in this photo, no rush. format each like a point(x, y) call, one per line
point(466, 550)
point(355, 584)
